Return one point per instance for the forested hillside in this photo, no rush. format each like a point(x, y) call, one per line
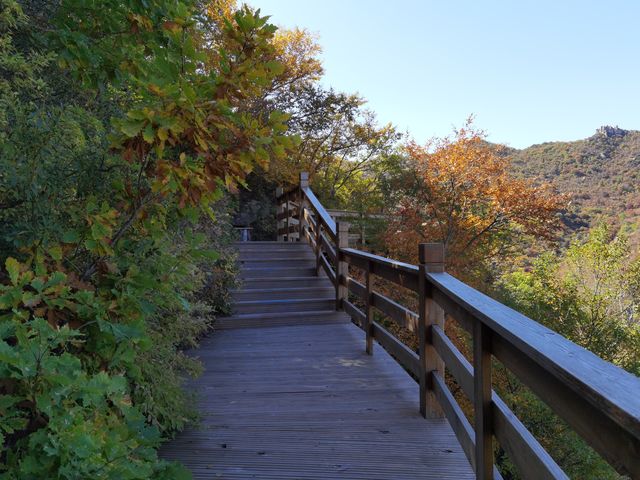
point(601, 175)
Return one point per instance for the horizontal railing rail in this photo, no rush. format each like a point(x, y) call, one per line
point(599, 400)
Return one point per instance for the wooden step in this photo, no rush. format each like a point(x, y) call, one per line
point(323, 291)
point(253, 320)
point(276, 253)
point(285, 305)
point(284, 282)
point(279, 263)
point(265, 246)
point(267, 257)
point(277, 272)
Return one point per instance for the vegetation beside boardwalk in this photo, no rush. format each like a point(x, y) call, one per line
point(122, 126)
point(126, 130)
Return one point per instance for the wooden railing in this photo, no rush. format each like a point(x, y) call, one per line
point(600, 401)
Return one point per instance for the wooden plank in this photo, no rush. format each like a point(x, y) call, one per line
point(293, 212)
point(354, 214)
point(291, 228)
point(454, 310)
point(458, 421)
point(368, 328)
point(403, 354)
point(616, 444)
point(308, 218)
point(324, 217)
point(309, 237)
point(461, 426)
point(357, 288)
point(355, 313)
point(401, 315)
point(287, 220)
point(328, 247)
point(317, 246)
point(531, 459)
point(454, 361)
point(307, 403)
point(328, 269)
point(342, 268)
point(483, 419)
point(594, 396)
point(429, 314)
point(401, 273)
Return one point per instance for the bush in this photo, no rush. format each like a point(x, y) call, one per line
point(114, 163)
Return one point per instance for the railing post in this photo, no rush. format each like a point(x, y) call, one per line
point(342, 267)
point(431, 259)
point(368, 326)
point(286, 220)
point(304, 183)
point(279, 210)
point(318, 243)
point(482, 401)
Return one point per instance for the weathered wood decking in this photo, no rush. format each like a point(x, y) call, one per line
point(303, 402)
point(307, 402)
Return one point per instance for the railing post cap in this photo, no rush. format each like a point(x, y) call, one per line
point(432, 255)
point(304, 179)
point(342, 226)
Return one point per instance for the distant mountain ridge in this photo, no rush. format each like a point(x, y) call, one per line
point(601, 174)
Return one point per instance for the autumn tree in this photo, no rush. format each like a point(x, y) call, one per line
point(458, 190)
point(339, 142)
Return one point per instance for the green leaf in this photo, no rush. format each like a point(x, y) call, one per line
point(148, 134)
point(208, 254)
point(13, 269)
point(56, 252)
point(71, 236)
point(131, 128)
point(163, 134)
point(276, 67)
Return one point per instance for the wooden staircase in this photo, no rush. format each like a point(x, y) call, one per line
point(280, 287)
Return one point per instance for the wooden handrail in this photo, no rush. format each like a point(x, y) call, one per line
point(599, 400)
point(319, 210)
point(599, 381)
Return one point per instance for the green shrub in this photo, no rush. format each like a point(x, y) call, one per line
point(114, 164)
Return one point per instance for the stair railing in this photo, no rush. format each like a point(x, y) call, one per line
point(599, 400)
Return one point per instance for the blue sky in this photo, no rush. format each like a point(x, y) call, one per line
point(530, 71)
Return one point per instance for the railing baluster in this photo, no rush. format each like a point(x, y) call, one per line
point(318, 243)
point(304, 183)
point(482, 401)
point(368, 326)
point(342, 267)
point(279, 192)
point(286, 221)
point(431, 259)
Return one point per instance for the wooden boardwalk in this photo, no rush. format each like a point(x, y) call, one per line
point(306, 402)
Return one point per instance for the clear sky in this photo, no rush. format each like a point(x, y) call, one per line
point(530, 71)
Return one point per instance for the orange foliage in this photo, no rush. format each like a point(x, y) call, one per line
point(459, 192)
